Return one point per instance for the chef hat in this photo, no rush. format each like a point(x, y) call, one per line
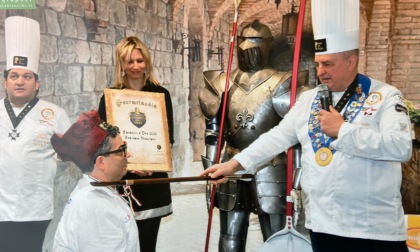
point(335, 25)
point(83, 139)
point(22, 43)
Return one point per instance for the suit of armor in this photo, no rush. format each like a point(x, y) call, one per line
point(258, 98)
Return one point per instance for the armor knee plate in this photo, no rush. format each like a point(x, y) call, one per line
point(235, 195)
point(230, 243)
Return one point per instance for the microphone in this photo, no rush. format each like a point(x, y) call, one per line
point(324, 96)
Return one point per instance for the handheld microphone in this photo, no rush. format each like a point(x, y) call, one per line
point(324, 96)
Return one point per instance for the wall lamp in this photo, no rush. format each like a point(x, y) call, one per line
point(289, 23)
point(194, 51)
point(211, 52)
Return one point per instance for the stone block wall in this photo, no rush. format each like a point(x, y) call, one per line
point(405, 62)
point(393, 45)
point(78, 39)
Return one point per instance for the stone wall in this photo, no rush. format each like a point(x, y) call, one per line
point(393, 45)
point(78, 39)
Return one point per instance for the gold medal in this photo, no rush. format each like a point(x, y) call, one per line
point(323, 156)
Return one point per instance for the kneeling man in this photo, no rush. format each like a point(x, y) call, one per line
point(95, 218)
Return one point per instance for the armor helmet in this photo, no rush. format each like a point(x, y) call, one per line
point(254, 47)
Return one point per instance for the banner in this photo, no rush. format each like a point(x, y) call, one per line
point(17, 4)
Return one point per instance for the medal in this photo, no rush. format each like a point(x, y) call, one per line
point(14, 134)
point(352, 102)
point(323, 156)
point(16, 120)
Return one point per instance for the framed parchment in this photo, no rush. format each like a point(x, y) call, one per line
point(141, 118)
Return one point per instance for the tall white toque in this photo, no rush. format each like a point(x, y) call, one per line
point(22, 43)
point(335, 25)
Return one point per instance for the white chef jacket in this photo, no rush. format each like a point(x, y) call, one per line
point(96, 219)
point(358, 193)
point(28, 162)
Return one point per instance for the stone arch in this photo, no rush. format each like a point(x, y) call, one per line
point(217, 16)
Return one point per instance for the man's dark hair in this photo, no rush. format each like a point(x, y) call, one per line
point(105, 146)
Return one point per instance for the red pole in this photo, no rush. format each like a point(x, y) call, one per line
point(222, 121)
point(295, 69)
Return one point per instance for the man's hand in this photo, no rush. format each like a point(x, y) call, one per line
point(222, 170)
point(142, 173)
point(330, 122)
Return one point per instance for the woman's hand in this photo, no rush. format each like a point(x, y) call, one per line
point(142, 173)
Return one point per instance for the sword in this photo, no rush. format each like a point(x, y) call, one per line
point(167, 180)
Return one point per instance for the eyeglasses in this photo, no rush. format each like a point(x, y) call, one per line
point(123, 148)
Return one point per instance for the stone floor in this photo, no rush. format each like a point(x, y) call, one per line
point(185, 230)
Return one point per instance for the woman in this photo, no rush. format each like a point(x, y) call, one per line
point(134, 70)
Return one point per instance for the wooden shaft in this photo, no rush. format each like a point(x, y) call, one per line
point(166, 180)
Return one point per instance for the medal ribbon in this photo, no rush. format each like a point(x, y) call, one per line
point(354, 97)
point(126, 196)
point(16, 120)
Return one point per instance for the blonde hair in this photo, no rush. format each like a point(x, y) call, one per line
point(123, 52)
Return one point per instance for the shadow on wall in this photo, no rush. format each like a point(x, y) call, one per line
point(282, 56)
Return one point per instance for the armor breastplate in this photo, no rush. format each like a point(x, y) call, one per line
point(251, 110)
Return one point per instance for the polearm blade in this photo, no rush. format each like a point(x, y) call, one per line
point(166, 180)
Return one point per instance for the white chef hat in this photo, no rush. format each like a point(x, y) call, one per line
point(22, 43)
point(335, 25)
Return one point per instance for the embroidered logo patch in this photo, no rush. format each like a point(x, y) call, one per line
point(401, 108)
point(374, 98)
point(399, 98)
point(20, 61)
point(127, 218)
point(369, 110)
point(403, 126)
point(320, 45)
point(47, 113)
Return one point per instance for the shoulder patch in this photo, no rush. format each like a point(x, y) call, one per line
point(399, 98)
point(401, 108)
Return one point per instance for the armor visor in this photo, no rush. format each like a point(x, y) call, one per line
point(252, 55)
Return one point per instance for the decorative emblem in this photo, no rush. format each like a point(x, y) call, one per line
point(401, 108)
point(368, 111)
point(399, 98)
point(138, 118)
point(47, 113)
point(244, 118)
point(374, 98)
point(14, 135)
point(323, 156)
point(20, 61)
